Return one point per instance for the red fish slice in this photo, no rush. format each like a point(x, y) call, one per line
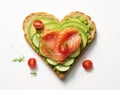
point(51, 40)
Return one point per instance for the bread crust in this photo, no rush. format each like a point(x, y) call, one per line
point(27, 21)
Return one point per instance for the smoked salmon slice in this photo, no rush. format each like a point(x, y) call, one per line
point(51, 40)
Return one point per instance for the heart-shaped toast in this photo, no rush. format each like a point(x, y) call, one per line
point(59, 43)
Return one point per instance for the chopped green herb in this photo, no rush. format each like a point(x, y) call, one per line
point(19, 59)
point(64, 45)
point(33, 73)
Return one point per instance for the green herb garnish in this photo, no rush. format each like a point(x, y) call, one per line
point(19, 59)
point(33, 73)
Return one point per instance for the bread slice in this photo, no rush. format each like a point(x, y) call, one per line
point(71, 17)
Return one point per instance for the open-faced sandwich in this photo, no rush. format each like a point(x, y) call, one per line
point(59, 43)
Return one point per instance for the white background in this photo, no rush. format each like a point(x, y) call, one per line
point(104, 51)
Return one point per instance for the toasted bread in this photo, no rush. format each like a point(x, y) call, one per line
point(91, 33)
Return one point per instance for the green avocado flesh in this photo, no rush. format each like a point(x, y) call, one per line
point(51, 25)
point(48, 24)
point(75, 23)
point(31, 31)
point(78, 22)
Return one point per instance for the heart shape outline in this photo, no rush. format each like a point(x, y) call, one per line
point(90, 37)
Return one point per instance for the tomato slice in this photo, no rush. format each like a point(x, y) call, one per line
point(38, 24)
point(87, 64)
point(32, 63)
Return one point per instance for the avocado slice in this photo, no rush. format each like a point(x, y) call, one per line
point(65, 23)
point(44, 19)
point(77, 21)
point(31, 31)
point(48, 23)
point(79, 17)
point(51, 25)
